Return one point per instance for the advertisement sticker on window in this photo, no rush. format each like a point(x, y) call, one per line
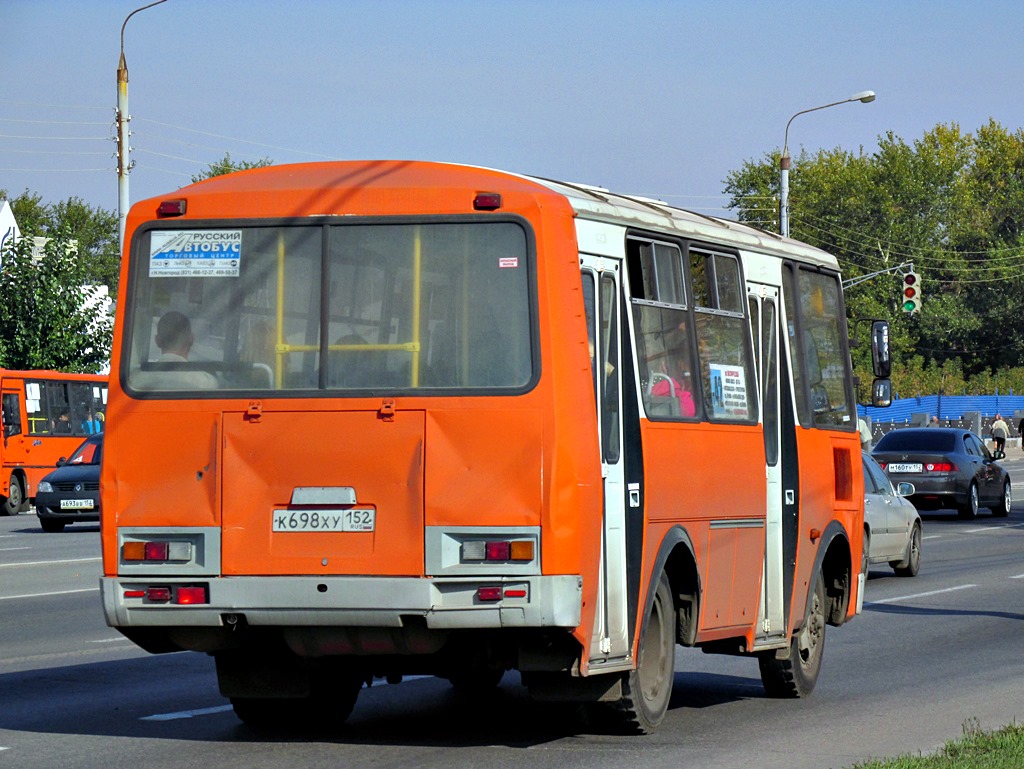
point(729, 392)
point(195, 254)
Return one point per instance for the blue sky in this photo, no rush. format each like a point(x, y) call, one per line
point(647, 97)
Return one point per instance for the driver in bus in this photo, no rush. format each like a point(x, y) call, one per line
point(175, 339)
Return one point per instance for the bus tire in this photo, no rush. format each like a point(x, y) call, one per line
point(15, 497)
point(795, 674)
point(647, 689)
point(475, 679)
point(323, 711)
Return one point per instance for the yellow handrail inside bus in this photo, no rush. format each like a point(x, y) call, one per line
point(417, 277)
point(280, 348)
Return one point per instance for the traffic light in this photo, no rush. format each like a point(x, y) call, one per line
point(911, 293)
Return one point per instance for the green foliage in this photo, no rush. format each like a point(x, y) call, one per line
point(977, 749)
point(226, 166)
point(46, 321)
point(952, 205)
point(94, 229)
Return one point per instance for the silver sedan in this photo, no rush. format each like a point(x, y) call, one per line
point(892, 525)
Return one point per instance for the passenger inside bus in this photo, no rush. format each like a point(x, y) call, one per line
point(175, 339)
point(62, 424)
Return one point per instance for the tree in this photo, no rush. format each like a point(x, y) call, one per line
point(52, 317)
point(226, 166)
point(949, 203)
point(94, 229)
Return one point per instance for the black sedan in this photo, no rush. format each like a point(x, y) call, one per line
point(72, 492)
point(949, 467)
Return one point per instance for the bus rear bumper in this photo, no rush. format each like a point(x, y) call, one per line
point(278, 601)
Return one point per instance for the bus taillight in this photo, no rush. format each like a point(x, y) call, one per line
point(498, 550)
point(171, 208)
point(157, 550)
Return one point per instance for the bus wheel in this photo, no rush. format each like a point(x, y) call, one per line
point(324, 710)
point(15, 499)
point(647, 689)
point(795, 674)
point(475, 679)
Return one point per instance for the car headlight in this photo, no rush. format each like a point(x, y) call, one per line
point(44, 486)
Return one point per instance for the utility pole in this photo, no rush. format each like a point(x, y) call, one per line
point(124, 162)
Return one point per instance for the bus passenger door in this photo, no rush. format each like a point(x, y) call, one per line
point(764, 322)
point(601, 286)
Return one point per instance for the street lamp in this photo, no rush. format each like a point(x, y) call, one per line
point(123, 150)
point(784, 161)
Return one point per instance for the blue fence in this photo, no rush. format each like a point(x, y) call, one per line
point(949, 408)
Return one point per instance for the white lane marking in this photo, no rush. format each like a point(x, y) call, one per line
point(109, 640)
point(919, 595)
point(49, 563)
point(9, 549)
point(1017, 576)
point(186, 714)
point(44, 595)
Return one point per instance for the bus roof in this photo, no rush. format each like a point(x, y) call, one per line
point(633, 210)
point(588, 202)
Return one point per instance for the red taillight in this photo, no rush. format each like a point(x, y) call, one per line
point(158, 594)
point(883, 465)
point(498, 551)
point(171, 208)
point(189, 595)
point(155, 551)
point(488, 594)
point(487, 201)
point(940, 467)
point(134, 593)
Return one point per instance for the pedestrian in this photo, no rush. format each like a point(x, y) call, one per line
point(865, 434)
point(933, 422)
point(999, 433)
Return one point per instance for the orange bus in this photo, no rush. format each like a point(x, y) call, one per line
point(420, 418)
point(45, 415)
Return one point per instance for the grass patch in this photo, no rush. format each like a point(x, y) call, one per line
point(977, 749)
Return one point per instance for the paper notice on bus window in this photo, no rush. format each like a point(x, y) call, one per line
point(32, 391)
point(195, 253)
point(729, 391)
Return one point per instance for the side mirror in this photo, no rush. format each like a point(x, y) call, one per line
point(881, 361)
point(906, 489)
point(881, 393)
point(62, 461)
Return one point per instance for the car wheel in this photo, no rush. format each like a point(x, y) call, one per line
point(912, 563)
point(51, 525)
point(969, 509)
point(646, 690)
point(16, 497)
point(1002, 508)
point(795, 674)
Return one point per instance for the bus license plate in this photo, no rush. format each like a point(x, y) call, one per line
point(906, 467)
point(76, 504)
point(352, 519)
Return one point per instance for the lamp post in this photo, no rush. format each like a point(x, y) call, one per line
point(784, 161)
point(124, 165)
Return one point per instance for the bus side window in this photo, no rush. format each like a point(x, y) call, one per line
point(11, 415)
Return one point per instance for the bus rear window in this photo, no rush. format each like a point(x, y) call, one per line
point(353, 307)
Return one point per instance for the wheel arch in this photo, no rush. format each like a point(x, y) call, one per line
point(834, 560)
point(676, 558)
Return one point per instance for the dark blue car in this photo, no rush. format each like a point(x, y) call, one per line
point(71, 493)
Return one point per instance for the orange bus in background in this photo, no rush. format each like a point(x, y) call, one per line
point(45, 416)
point(422, 418)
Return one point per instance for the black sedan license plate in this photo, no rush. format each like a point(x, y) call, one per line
point(77, 504)
point(349, 519)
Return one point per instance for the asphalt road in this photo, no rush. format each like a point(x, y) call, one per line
point(928, 655)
